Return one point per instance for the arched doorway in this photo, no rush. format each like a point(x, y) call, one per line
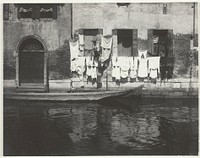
point(32, 65)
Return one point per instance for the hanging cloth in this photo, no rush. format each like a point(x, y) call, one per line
point(73, 65)
point(143, 65)
point(80, 63)
point(154, 63)
point(154, 67)
point(133, 67)
point(98, 45)
point(155, 39)
point(98, 42)
point(142, 53)
point(106, 42)
point(105, 54)
point(143, 68)
point(81, 42)
point(153, 73)
point(74, 49)
point(81, 39)
point(124, 66)
point(89, 66)
point(115, 68)
point(94, 70)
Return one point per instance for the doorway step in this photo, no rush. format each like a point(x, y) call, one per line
point(36, 89)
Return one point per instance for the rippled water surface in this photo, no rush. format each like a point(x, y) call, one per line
point(157, 127)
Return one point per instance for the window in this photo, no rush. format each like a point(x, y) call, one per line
point(6, 11)
point(46, 11)
point(26, 11)
point(37, 11)
point(127, 42)
point(161, 44)
point(89, 35)
point(123, 4)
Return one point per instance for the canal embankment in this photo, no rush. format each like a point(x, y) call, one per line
point(176, 88)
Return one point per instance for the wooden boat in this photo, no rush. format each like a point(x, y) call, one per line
point(76, 96)
point(130, 100)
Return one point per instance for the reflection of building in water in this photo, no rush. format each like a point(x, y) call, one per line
point(102, 137)
point(83, 123)
point(135, 132)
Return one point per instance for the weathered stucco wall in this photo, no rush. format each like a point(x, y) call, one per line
point(54, 32)
point(139, 16)
point(106, 16)
point(143, 16)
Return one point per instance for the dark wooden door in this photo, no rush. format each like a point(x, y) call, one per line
point(31, 68)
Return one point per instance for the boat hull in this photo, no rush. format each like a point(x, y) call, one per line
point(78, 96)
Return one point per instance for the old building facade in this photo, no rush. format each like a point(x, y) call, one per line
point(36, 36)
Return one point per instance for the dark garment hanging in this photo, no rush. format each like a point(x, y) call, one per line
point(163, 61)
point(169, 72)
point(170, 63)
point(99, 75)
point(163, 68)
point(99, 82)
point(163, 73)
point(156, 49)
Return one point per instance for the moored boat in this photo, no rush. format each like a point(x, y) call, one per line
point(76, 96)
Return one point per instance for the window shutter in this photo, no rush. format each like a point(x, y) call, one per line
point(170, 43)
point(6, 11)
point(135, 42)
point(54, 11)
point(150, 41)
point(18, 13)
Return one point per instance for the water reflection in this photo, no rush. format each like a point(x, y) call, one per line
point(52, 128)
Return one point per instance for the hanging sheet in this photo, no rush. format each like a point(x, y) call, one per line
point(74, 49)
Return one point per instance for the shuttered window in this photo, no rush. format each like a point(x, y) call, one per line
point(6, 11)
point(37, 11)
point(25, 11)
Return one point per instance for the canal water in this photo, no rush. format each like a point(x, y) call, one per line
point(156, 127)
